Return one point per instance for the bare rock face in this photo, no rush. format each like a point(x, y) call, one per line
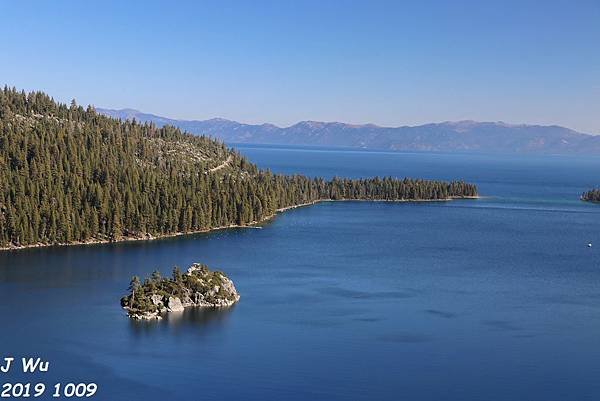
point(157, 300)
point(174, 305)
point(197, 287)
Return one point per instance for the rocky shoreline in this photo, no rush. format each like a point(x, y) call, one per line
point(197, 287)
point(149, 237)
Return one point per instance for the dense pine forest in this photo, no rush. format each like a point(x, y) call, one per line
point(70, 175)
point(592, 195)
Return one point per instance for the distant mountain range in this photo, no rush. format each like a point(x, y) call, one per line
point(461, 136)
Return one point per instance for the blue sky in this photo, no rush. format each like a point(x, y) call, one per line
point(390, 63)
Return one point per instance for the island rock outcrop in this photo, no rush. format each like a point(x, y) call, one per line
point(198, 287)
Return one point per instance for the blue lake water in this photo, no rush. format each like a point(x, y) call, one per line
point(491, 299)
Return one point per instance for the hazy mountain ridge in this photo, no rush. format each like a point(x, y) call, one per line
point(463, 136)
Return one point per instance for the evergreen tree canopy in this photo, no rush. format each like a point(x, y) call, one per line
point(68, 175)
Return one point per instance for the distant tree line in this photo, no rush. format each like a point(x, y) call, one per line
point(68, 174)
point(592, 195)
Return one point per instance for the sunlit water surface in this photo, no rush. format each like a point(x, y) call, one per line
point(492, 299)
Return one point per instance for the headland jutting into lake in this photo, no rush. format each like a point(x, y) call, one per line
point(72, 176)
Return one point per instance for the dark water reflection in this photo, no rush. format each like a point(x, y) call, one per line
point(201, 320)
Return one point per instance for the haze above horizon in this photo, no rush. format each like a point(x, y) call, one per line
point(387, 63)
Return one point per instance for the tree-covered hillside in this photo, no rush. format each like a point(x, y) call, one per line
point(68, 174)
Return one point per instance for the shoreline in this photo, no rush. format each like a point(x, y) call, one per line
point(252, 224)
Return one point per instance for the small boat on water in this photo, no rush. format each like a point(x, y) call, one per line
point(590, 245)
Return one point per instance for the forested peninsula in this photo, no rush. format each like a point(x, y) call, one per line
point(593, 195)
point(70, 176)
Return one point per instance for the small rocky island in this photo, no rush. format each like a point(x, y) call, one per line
point(197, 287)
point(593, 195)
